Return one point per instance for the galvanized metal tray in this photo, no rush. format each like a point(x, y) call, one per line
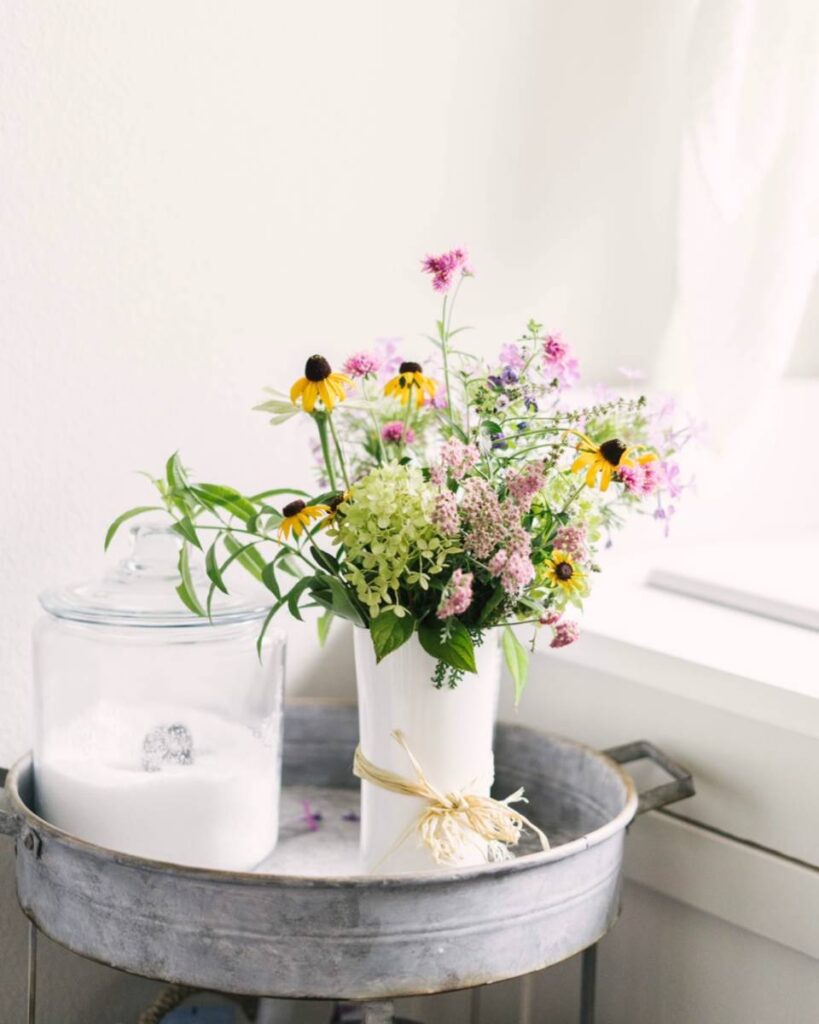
point(306, 926)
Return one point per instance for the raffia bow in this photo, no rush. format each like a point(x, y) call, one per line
point(450, 821)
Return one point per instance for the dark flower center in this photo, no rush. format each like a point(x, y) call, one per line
point(410, 368)
point(612, 451)
point(335, 501)
point(564, 571)
point(317, 368)
point(293, 508)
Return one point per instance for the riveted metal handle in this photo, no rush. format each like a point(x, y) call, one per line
point(9, 822)
point(680, 787)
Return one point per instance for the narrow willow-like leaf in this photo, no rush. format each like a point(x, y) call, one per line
point(323, 625)
point(112, 529)
point(186, 589)
point(269, 579)
point(213, 569)
point(342, 599)
point(517, 661)
point(185, 528)
point(294, 594)
point(247, 556)
point(265, 625)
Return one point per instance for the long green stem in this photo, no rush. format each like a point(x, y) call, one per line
point(321, 423)
point(339, 451)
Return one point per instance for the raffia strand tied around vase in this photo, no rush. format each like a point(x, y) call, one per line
point(449, 822)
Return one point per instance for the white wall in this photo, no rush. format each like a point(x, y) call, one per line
point(197, 194)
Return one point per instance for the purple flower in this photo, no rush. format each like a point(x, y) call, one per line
point(559, 362)
point(444, 267)
point(394, 433)
point(388, 353)
point(669, 473)
point(362, 364)
point(511, 356)
point(509, 376)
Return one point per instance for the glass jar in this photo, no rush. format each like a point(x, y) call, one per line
point(157, 731)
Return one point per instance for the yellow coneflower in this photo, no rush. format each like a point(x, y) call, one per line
point(605, 459)
point(563, 573)
point(332, 506)
point(410, 376)
point(319, 381)
point(297, 516)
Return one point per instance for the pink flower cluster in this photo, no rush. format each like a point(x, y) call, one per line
point(644, 478)
point(572, 540)
point(444, 267)
point(514, 567)
point(457, 596)
point(459, 458)
point(482, 513)
point(362, 364)
point(559, 362)
point(394, 432)
point(564, 631)
point(445, 514)
point(523, 484)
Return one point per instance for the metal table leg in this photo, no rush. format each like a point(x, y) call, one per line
point(31, 1013)
point(588, 984)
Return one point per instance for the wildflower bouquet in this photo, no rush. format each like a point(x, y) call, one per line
point(454, 496)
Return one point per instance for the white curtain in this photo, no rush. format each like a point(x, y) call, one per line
point(749, 212)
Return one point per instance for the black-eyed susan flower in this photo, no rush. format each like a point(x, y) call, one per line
point(410, 378)
point(561, 572)
point(333, 506)
point(319, 382)
point(297, 516)
point(606, 459)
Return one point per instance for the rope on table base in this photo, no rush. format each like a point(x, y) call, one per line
point(168, 999)
point(172, 996)
point(449, 822)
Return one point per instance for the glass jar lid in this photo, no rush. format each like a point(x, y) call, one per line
point(141, 590)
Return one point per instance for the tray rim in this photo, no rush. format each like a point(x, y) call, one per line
point(526, 862)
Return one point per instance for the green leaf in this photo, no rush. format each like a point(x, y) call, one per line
point(456, 650)
point(323, 625)
point(227, 497)
point(291, 567)
point(491, 603)
point(517, 660)
point(175, 473)
point(265, 624)
point(389, 631)
point(277, 490)
point(186, 589)
point(112, 529)
point(342, 600)
point(269, 579)
point(213, 570)
point(324, 559)
point(295, 593)
point(247, 556)
point(185, 528)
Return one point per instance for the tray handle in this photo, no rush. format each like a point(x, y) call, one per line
point(9, 824)
point(680, 787)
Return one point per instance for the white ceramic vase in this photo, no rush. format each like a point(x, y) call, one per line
point(448, 730)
